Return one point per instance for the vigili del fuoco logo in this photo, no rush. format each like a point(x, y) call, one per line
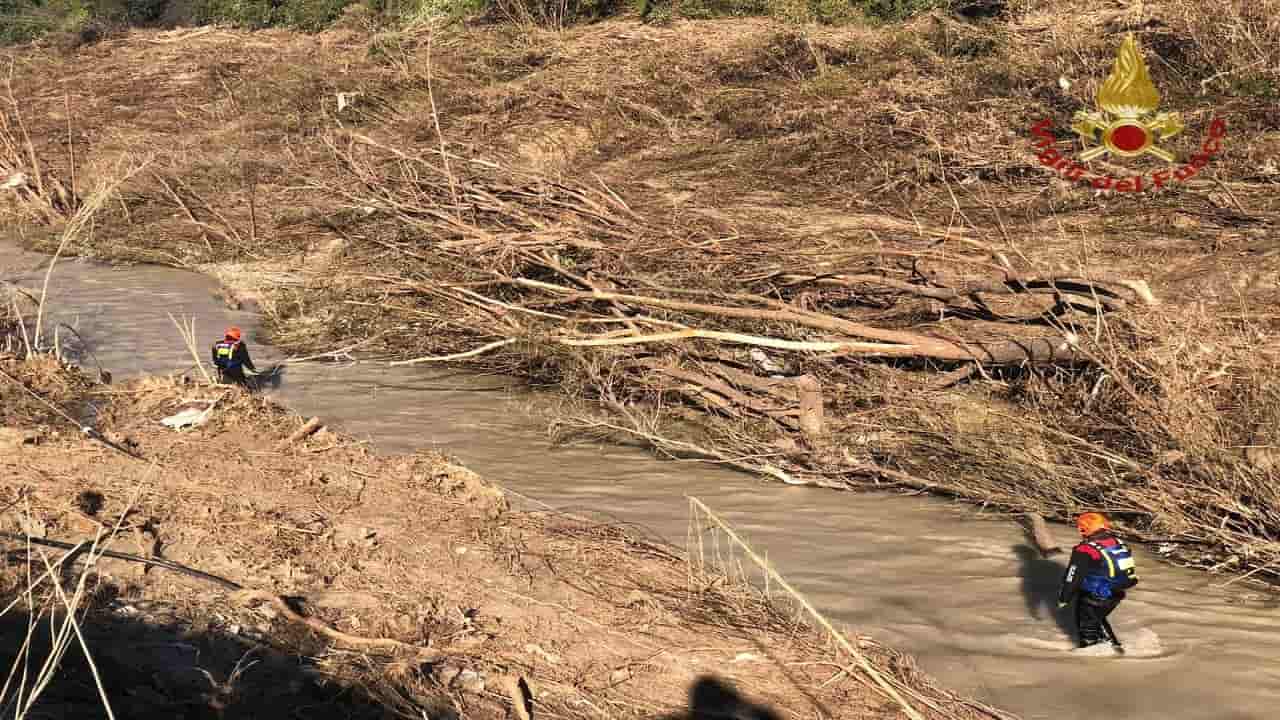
point(1125, 126)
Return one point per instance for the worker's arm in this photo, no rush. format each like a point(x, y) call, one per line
point(1081, 561)
point(213, 353)
point(242, 351)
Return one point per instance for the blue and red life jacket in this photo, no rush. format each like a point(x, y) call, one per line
point(1118, 570)
point(224, 354)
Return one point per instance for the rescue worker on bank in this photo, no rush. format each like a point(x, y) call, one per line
point(1100, 571)
point(231, 357)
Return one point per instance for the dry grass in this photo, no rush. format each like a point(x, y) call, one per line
point(43, 596)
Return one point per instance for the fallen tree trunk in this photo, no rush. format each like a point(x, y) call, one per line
point(891, 343)
point(1092, 290)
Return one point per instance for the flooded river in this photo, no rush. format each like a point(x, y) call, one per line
point(959, 590)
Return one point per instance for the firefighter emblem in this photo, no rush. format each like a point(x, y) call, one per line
point(1126, 124)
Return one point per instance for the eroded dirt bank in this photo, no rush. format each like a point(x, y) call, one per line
point(410, 548)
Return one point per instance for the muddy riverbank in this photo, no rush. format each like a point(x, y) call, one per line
point(958, 591)
point(596, 620)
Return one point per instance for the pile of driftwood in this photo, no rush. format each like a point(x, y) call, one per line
point(486, 264)
point(826, 358)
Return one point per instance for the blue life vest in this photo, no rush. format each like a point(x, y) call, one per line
point(1119, 574)
point(224, 355)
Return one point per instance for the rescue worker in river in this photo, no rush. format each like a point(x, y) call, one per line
point(1100, 571)
point(231, 357)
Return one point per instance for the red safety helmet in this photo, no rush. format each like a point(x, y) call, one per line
point(1091, 522)
point(233, 333)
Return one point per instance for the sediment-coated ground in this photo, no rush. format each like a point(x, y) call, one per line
point(475, 594)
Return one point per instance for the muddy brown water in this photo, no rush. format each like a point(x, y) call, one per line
point(953, 586)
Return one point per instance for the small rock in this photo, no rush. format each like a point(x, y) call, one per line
point(470, 681)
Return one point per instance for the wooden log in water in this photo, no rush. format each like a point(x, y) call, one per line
point(1040, 535)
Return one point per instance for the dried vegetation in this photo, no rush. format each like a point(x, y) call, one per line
point(721, 221)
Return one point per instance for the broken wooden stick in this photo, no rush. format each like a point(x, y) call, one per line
point(248, 595)
point(810, 406)
point(312, 425)
point(457, 356)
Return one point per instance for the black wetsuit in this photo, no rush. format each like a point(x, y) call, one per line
point(231, 357)
point(1100, 571)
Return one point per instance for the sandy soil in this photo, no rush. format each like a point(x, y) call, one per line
point(416, 549)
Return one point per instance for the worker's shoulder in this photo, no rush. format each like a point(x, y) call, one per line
point(1088, 548)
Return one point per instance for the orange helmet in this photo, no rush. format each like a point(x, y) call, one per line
point(1091, 522)
point(233, 333)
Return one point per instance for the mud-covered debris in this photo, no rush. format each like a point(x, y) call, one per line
point(551, 658)
point(639, 598)
point(120, 439)
point(15, 438)
point(355, 535)
point(189, 417)
point(474, 490)
point(1040, 535)
point(447, 673)
point(308, 428)
point(521, 696)
point(90, 502)
point(33, 526)
point(1263, 459)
